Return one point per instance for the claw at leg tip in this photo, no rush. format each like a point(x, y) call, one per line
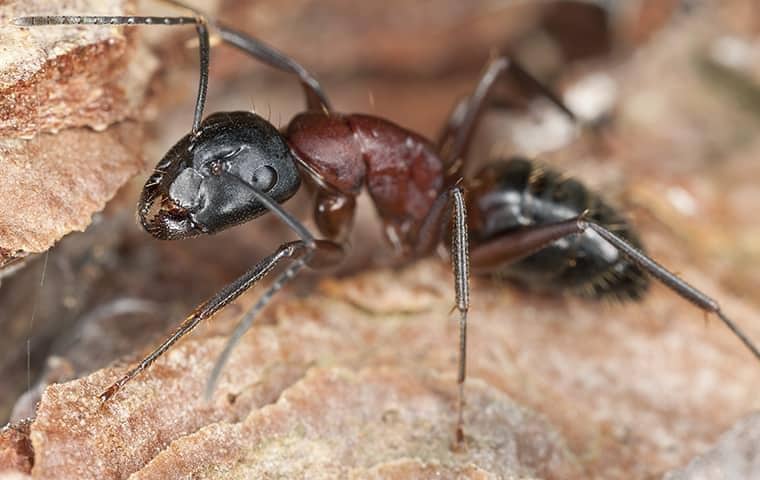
point(108, 394)
point(459, 444)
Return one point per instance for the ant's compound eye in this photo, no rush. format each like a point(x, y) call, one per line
point(221, 162)
point(264, 178)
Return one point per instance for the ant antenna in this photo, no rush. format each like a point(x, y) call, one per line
point(200, 27)
point(316, 99)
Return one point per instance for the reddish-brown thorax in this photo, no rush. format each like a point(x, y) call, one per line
point(401, 170)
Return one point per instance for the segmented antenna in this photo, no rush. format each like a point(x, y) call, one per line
point(38, 21)
point(198, 21)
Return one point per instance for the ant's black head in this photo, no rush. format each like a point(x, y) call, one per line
point(203, 184)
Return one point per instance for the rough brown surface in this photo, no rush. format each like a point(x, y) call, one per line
point(57, 77)
point(312, 432)
point(616, 391)
point(735, 455)
point(45, 195)
point(53, 79)
point(70, 423)
point(614, 388)
point(16, 453)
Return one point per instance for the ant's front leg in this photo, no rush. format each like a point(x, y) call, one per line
point(320, 253)
point(323, 254)
point(205, 310)
point(316, 98)
point(306, 251)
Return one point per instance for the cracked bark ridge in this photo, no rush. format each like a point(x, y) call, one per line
point(53, 184)
point(53, 79)
point(117, 439)
point(57, 77)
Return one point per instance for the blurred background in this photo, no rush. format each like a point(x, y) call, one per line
point(669, 94)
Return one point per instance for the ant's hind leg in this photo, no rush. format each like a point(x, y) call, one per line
point(670, 280)
point(526, 241)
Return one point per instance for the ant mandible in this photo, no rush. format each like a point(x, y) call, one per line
point(526, 221)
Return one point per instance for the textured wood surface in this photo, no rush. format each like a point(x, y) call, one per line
point(356, 375)
point(75, 81)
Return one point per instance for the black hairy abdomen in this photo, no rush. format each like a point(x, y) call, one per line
point(513, 194)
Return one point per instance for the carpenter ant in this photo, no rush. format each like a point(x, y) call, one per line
point(525, 221)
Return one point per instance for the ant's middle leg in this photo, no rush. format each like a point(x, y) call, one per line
point(450, 207)
point(458, 132)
